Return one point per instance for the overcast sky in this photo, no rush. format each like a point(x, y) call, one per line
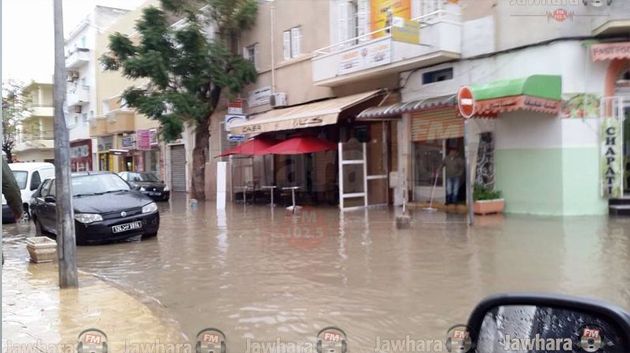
point(27, 34)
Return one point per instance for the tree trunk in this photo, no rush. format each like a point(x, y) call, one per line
point(200, 157)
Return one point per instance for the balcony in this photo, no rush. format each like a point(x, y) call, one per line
point(120, 120)
point(78, 95)
point(367, 57)
point(78, 58)
point(616, 21)
point(98, 127)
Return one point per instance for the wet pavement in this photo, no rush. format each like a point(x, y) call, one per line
point(269, 276)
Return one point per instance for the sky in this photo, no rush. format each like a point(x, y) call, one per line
point(27, 34)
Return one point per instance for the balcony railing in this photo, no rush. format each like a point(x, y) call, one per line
point(78, 95)
point(77, 58)
point(376, 53)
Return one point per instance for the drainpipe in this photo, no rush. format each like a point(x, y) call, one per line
point(271, 35)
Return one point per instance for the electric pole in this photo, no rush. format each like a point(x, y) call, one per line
point(66, 245)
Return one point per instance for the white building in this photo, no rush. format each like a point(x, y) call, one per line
point(81, 65)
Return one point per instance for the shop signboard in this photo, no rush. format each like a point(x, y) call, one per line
point(143, 139)
point(128, 141)
point(235, 106)
point(259, 97)
point(231, 119)
point(382, 13)
point(611, 159)
point(153, 137)
point(406, 31)
point(365, 57)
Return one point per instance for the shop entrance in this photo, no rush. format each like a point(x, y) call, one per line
point(622, 91)
point(429, 176)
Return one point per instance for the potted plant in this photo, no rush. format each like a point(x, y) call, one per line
point(41, 249)
point(487, 201)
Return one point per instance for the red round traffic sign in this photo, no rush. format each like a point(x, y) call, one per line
point(466, 102)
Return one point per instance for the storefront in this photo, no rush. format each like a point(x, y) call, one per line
point(615, 115)
point(81, 155)
point(358, 166)
point(105, 159)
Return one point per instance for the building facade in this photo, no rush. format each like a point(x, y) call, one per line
point(544, 98)
point(125, 140)
point(35, 141)
point(82, 65)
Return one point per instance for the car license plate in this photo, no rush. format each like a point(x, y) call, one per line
point(154, 194)
point(126, 227)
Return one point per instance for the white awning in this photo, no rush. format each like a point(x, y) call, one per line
point(301, 116)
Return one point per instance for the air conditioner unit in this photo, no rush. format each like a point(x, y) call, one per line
point(73, 76)
point(278, 99)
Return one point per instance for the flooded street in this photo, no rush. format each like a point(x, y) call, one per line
point(267, 276)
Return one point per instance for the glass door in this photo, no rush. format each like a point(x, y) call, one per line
point(428, 177)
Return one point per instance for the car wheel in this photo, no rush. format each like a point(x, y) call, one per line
point(27, 213)
point(149, 235)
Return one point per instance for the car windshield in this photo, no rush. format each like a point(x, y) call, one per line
point(97, 184)
point(21, 178)
point(135, 177)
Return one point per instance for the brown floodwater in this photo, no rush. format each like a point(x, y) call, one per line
point(263, 275)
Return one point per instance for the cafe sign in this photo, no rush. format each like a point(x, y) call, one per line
point(611, 158)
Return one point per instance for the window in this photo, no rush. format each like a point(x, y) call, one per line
point(437, 76)
point(45, 188)
point(83, 42)
point(51, 189)
point(250, 53)
point(292, 42)
point(84, 117)
point(20, 177)
point(36, 180)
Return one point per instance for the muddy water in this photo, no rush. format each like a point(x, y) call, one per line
point(263, 275)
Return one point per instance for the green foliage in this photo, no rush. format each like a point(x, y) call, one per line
point(185, 71)
point(482, 192)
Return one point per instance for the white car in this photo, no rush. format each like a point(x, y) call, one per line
point(28, 176)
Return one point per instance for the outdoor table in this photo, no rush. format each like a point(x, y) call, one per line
point(271, 188)
point(292, 188)
point(244, 188)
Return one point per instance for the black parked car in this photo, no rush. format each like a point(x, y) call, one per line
point(148, 184)
point(106, 209)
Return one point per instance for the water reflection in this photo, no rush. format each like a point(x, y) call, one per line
point(261, 273)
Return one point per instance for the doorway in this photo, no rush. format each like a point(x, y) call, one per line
point(428, 176)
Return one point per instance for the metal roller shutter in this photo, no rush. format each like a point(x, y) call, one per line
point(437, 124)
point(178, 168)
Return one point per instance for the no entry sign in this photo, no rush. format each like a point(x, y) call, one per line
point(466, 102)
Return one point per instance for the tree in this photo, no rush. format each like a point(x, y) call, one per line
point(14, 109)
point(186, 68)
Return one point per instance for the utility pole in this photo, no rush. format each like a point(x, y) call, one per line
point(66, 245)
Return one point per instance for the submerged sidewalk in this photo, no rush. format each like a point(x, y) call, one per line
point(36, 313)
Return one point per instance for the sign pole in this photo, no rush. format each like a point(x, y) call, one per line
point(66, 247)
point(467, 109)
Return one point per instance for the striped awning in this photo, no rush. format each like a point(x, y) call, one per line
point(391, 112)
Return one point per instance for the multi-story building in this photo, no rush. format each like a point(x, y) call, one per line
point(82, 66)
point(546, 95)
point(332, 60)
point(125, 140)
point(35, 141)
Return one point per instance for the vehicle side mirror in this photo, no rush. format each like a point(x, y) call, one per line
point(544, 323)
point(50, 199)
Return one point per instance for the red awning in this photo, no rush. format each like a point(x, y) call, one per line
point(610, 51)
point(301, 145)
point(252, 147)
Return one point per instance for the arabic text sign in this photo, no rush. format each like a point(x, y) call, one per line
point(611, 158)
point(365, 57)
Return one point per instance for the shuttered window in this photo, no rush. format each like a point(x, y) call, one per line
point(437, 124)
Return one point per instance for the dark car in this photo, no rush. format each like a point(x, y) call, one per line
point(148, 184)
point(106, 209)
